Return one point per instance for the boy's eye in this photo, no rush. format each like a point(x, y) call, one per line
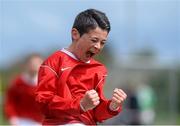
point(103, 42)
point(94, 41)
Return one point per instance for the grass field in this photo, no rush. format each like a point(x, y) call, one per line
point(3, 121)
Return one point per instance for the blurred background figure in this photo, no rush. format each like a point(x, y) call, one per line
point(146, 100)
point(20, 106)
point(132, 107)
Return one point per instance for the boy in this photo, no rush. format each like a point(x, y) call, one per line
point(70, 83)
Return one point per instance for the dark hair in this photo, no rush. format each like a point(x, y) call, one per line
point(89, 20)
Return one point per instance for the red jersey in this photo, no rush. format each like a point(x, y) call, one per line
point(63, 81)
point(20, 100)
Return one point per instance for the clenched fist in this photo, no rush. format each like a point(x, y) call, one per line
point(118, 97)
point(90, 100)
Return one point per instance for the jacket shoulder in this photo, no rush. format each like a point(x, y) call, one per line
point(54, 61)
point(100, 66)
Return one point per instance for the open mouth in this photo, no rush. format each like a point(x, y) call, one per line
point(90, 54)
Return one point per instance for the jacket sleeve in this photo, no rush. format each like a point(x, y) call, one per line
point(47, 93)
point(102, 111)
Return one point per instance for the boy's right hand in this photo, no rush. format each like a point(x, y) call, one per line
point(90, 100)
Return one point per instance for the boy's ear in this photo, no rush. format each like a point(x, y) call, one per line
point(75, 34)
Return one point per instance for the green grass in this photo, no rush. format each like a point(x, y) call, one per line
point(3, 120)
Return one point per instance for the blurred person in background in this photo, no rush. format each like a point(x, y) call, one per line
point(146, 99)
point(132, 106)
point(20, 106)
point(70, 81)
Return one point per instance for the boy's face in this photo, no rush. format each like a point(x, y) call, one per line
point(89, 44)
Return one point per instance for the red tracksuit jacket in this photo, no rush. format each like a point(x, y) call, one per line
point(62, 82)
point(20, 100)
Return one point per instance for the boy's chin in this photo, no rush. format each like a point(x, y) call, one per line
point(86, 59)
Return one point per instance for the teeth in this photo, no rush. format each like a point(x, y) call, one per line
point(91, 50)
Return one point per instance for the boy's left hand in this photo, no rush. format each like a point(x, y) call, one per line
point(117, 99)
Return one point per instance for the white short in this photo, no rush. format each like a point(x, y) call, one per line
point(25, 122)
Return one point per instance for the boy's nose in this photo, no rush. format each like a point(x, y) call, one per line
point(97, 45)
